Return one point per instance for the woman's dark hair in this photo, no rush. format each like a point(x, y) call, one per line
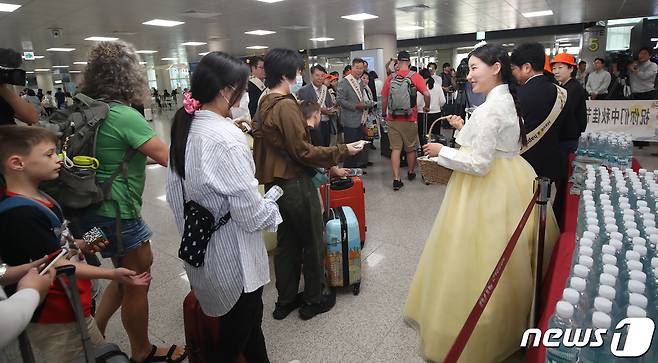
point(347, 69)
point(492, 54)
point(427, 76)
point(30, 92)
point(215, 71)
point(373, 76)
point(279, 63)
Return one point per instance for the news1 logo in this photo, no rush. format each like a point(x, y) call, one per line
point(638, 331)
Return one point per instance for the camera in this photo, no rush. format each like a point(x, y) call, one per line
point(461, 73)
point(10, 60)
point(622, 59)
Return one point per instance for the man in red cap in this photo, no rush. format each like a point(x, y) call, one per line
point(575, 110)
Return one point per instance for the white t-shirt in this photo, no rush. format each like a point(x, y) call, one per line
point(437, 99)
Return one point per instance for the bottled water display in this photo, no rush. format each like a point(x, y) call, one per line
point(614, 271)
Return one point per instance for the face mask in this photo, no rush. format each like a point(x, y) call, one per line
point(299, 81)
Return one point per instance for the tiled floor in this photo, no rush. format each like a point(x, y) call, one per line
point(364, 328)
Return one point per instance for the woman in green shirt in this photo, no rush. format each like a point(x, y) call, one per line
point(114, 74)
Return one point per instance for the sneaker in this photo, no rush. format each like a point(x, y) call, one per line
point(281, 311)
point(411, 176)
point(308, 311)
point(397, 184)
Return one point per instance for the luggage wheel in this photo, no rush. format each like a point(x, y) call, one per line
point(356, 289)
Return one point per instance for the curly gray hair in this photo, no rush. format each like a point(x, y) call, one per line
point(113, 72)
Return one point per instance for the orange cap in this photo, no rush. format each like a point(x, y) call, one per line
point(565, 58)
point(547, 64)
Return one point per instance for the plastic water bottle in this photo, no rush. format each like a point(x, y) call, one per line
point(600, 354)
point(580, 285)
point(562, 319)
point(579, 313)
point(355, 172)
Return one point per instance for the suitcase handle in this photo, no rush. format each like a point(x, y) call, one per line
point(72, 292)
point(342, 183)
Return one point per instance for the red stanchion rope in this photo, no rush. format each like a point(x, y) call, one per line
point(465, 333)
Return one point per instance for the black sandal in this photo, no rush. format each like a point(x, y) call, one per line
point(163, 358)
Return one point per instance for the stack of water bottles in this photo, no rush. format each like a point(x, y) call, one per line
point(612, 149)
point(614, 272)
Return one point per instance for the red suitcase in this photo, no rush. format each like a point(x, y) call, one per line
point(349, 192)
point(201, 332)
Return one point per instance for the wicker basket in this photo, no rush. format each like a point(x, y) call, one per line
point(432, 172)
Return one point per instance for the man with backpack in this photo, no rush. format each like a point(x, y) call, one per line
point(400, 111)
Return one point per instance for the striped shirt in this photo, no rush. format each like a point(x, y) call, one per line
point(220, 176)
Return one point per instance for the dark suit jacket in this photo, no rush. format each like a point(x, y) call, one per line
point(575, 111)
point(307, 93)
point(537, 97)
point(254, 95)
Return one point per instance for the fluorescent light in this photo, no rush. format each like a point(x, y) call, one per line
point(321, 39)
point(260, 32)
point(42, 70)
point(562, 40)
point(8, 8)
point(81, 63)
point(258, 47)
point(360, 16)
point(101, 39)
point(169, 59)
point(74, 71)
point(146, 51)
point(204, 53)
point(60, 49)
point(194, 44)
point(29, 72)
point(270, 1)
point(58, 82)
point(160, 22)
point(142, 63)
point(534, 14)
point(411, 28)
point(60, 66)
point(39, 57)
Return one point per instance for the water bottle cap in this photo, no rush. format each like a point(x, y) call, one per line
point(641, 192)
point(607, 279)
point(629, 212)
point(623, 190)
point(594, 229)
point(589, 202)
point(644, 210)
point(611, 269)
point(587, 192)
point(654, 262)
point(608, 213)
point(649, 216)
point(642, 203)
point(624, 205)
point(651, 230)
point(602, 304)
point(649, 223)
point(638, 300)
point(640, 249)
point(655, 271)
point(629, 171)
point(606, 186)
point(591, 214)
point(634, 264)
point(611, 228)
point(625, 200)
point(610, 221)
point(607, 292)
point(570, 295)
point(590, 208)
point(592, 222)
point(587, 261)
point(578, 283)
point(636, 287)
point(591, 236)
point(564, 309)
point(609, 259)
point(586, 242)
point(580, 271)
point(603, 197)
point(639, 241)
point(628, 218)
point(616, 236)
point(632, 256)
point(608, 249)
point(638, 276)
point(590, 186)
point(618, 245)
point(635, 312)
point(601, 320)
point(633, 233)
point(642, 171)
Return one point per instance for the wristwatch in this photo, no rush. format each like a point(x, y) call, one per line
point(3, 270)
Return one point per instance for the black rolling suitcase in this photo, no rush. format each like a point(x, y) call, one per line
point(106, 353)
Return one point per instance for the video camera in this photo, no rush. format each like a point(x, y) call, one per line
point(10, 60)
point(461, 73)
point(622, 59)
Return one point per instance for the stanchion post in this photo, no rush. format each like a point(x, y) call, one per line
point(544, 186)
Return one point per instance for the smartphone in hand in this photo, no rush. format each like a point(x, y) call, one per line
point(52, 258)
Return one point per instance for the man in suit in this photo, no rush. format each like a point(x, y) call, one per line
point(316, 91)
point(537, 96)
point(256, 85)
point(354, 111)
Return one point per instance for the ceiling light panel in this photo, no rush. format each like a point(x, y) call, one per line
point(101, 39)
point(60, 66)
point(169, 59)
point(60, 49)
point(8, 8)
point(194, 44)
point(260, 32)
point(80, 63)
point(74, 72)
point(204, 53)
point(360, 16)
point(534, 14)
point(257, 47)
point(146, 51)
point(42, 70)
point(165, 23)
point(270, 1)
point(321, 39)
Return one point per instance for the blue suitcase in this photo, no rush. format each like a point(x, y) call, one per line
point(343, 257)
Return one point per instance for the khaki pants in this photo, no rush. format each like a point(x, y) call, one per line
point(55, 343)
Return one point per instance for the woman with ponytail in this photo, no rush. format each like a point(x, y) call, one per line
point(489, 190)
point(211, 167)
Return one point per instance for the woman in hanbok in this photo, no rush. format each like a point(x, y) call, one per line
point(488, 192)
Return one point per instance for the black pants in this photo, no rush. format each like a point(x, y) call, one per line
point(299, 239)
point(241, 331)
point(423, 126)
point(651, 95)
point(361, 159)
point(321, 135)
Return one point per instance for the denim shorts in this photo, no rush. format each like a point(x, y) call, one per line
point(135, 232)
